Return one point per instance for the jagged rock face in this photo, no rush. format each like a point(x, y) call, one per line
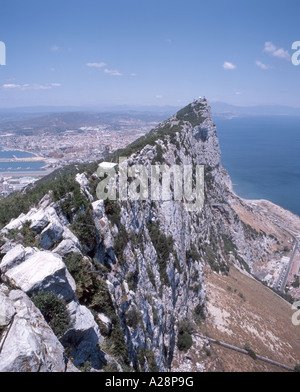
point(28, 343)
point(184, 293)
point(154, 251)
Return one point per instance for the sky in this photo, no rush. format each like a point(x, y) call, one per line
point(158, 52)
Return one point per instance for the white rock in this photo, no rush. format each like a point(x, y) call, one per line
point(29, 345)
point(7, 310)
point(15, 224)
point(84, 337)
point(68, 235)
point(39, 221)
point(84, 185)
point(105, 320)
point(43, 271)
point(51, 234)
point(14, 257)
point(65, 247)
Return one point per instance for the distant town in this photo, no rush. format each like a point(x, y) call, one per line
point(56, 147)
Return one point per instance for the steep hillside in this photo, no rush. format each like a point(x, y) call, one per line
point(120, 283)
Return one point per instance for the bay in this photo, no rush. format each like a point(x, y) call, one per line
point(18, 166)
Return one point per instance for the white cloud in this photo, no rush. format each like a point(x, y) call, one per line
point(113, 72)
point(54, 48)
point(97, 65)
point(159, 96)
point(284, 54)
point(262, 65)
point(227, 65)
point(238, 93)
point(10, 85)
point(27, 86)
point(271, 49)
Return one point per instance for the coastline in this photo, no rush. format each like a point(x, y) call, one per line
point(19, 150)
point(28, 173)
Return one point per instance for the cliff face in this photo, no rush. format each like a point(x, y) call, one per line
point(130, 271)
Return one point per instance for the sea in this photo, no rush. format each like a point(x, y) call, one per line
point(262, 156)
point(19, 166)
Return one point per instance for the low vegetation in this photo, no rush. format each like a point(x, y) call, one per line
point(250, 351)
point(84, 228)
point(189, 114)
point(164, 246)
point(24, 235)
point(92, 291)
point(54, 310)
point(184, 338)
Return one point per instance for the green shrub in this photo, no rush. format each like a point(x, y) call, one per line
point(111, 367)
point(54, 310)
point(116, 345)
point(60, 182)
point(28, 235)
point(86, 368)
point(184, 338)
point(24, 236)
point(141, 356)
point(132, 280)
point(155, 315)
point(113, 211)
point(241, 295)
point(159, 155)
point(250, 351)
point(151, 360)
point(151, 276)
point(120, 244)
point(177, 263)
point(163, 246)
point(84, 228)
point(188, 114)
point(184, 341)
point(92, 291)
point(192, 253)
point(133, 318)
point(229, 246)
point(296, 282)
point(199, 313)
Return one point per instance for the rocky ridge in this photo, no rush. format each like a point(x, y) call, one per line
point(129, 272)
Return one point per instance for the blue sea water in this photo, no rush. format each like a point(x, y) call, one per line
point(19, 166)
point(262, 156)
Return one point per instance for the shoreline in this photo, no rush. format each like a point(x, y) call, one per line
point(17, 149)
point(27, 173)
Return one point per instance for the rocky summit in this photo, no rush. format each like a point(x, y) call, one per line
point(102, 285)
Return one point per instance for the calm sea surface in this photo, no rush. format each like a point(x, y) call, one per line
point(19, 166)
point(262, 156)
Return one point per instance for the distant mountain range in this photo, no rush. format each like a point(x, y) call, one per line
point(227, 110)
point(46, 115)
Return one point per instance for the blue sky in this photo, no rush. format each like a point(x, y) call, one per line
point(158, 52)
